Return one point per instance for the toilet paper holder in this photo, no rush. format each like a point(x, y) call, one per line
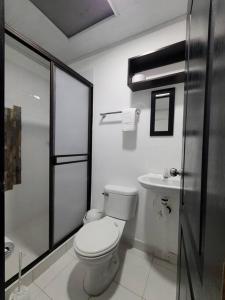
point(164, 202)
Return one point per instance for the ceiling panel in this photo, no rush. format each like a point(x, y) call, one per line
point(73, 16)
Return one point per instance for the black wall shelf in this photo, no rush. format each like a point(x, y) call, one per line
point(165, 56)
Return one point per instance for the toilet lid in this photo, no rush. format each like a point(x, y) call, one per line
point(96, 237)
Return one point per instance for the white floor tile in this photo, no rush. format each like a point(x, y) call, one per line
point(44, 279)
point(161, 284)
point(68, 285)
point(133, 273)
point(116, 292)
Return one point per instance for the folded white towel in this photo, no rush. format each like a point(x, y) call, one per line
point(129, 119)
point(9, 246)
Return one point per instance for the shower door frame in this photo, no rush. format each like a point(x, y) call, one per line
point(53, 157)
point(5, 29)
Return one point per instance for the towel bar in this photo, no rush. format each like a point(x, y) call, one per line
point(116, 112)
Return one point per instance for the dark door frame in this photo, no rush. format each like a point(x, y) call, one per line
point(5, 29)
point(2, 132)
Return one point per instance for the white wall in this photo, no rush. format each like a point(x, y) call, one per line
point(119, 158)
point(28, 201)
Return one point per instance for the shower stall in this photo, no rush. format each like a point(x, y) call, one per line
point(47, 152)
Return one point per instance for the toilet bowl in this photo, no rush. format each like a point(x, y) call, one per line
point(96, 247)
point(96, 243)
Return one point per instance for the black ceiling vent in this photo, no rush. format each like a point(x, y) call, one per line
point(73, 16)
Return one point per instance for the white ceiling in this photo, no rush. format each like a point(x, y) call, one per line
point(132, 17)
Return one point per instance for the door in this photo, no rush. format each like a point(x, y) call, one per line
point(214, 253)
point(194, 151)
point(72, 153)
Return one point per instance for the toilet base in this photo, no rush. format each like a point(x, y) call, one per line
point(98, 278)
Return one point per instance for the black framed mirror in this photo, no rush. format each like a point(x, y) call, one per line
point(162, 112)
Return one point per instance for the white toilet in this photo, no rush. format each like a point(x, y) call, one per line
point(96, 243)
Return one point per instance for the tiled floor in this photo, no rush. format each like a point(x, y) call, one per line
point(140, 277)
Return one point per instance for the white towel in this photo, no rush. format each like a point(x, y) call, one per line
point(9, 246)
point(129, 119)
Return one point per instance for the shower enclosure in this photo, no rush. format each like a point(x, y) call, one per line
point(47, 128)
point(27, 79)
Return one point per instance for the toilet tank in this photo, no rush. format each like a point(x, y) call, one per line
point(120, 201)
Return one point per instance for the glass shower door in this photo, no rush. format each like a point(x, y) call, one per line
point(70, 158)
point(27, 122)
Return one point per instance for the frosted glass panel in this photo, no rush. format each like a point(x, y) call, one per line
point(71, 114)
point(27, 109)
point(70, 198)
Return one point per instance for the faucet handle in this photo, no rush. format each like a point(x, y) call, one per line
point(174, 172)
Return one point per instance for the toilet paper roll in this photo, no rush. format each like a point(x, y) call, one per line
point(9, 246)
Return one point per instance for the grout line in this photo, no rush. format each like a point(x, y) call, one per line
point(132, 292)
point(126, 288)
point(146, 284)
point(147, 277)
point(42, 291)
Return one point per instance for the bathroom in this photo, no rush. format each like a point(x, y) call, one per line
point(109, 187)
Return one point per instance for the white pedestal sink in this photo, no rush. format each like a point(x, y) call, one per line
point(164, 187)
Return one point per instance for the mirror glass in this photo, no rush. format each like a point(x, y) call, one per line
point(162, 114)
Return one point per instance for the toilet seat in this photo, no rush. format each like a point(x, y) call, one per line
point(97, 238)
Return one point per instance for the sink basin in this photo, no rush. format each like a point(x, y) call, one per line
point(165, 187)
